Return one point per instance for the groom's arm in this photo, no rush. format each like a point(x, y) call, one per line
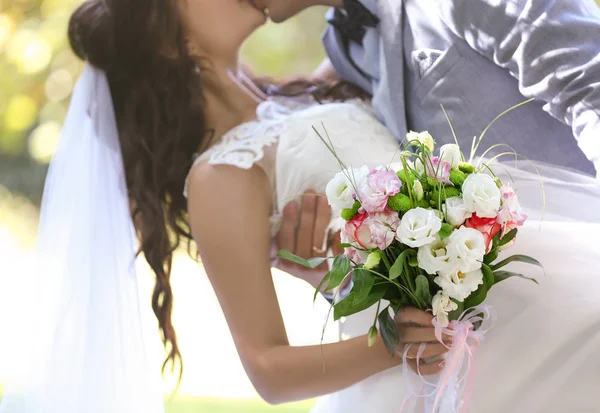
point(551, 46)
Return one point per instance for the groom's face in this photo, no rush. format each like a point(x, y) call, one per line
point(281, 10)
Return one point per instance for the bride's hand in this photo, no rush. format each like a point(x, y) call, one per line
point(302, 232)
point(415, 327)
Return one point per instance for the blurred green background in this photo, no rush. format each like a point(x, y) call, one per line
point(37, 74)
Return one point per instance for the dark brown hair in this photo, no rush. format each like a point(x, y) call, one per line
point(158, 99)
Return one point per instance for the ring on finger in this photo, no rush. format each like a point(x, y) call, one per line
point(318, 250)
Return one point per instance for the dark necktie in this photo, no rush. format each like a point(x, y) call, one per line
point(352, 20)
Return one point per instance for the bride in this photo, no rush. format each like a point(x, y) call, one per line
point(166, 133)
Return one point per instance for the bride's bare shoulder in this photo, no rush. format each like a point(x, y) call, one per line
point(224, 189)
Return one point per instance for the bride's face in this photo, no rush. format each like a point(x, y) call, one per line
point(216, 29)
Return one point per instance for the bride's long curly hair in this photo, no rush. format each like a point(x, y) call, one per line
point(157, 93)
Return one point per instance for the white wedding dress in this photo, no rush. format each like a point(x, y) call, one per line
point(543, 354)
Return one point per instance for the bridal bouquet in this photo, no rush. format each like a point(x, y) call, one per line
point(425, 232)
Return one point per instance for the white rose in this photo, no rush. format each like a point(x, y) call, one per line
point(442, 305)
point(418, 227)
point(466, 248)
point(434, 257)
point(455, 211)
point(459, 285)
point(481, 195)
point(451, 153)
point(423, 138)
point(340, 190)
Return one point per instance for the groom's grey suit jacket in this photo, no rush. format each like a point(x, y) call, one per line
point(478, 58)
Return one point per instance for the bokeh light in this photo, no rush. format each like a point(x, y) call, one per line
point(20, 113)
point(59, 85)
point(6, 29)
point(43, 141)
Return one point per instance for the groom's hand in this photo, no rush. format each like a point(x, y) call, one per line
point(415, 328)
point(303, 232)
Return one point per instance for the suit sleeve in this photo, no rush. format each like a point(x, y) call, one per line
point(551, 46)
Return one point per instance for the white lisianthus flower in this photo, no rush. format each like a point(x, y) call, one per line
point(442, 305)
point(423, 138)
point(459, 285)
point(455, 211)
point(434, 258)
point(451, 153)
point(466, 249)
point(340, 191)
point(418, 227)
point(481, 195)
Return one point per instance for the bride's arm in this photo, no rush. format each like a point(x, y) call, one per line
point(325, 72)
point(229, 213)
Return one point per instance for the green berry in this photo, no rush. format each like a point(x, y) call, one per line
point(423, 204)
point(402, 176)
point(466, 168)
point(349, 213)
point(399, 202)
point(457, 177)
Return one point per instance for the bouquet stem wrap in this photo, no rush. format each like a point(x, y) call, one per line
point(449, 391)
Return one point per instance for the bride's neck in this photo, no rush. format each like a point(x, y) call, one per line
point(227, 102)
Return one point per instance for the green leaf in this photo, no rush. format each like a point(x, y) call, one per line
point(503, 275)
point(491, 256)
point(345, 245)
point(476, 297)
point(516, 258)
point(388, 331)
point(339, 271)
point(363, 283)
point(321, 284)
point(454, 315)
point(508, 237)
point(413, 262)
point(446, 231)
point(346, 307)
point(309, 263)
point(422, 290)
point(398, 266)
point(488, 276)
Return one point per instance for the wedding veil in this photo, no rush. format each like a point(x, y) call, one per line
point(88, 353)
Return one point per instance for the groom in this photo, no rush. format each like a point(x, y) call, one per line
point(476, 58)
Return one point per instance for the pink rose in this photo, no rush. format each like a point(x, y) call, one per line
point(358, 231)
point(439, 171)
point(487, 226)
point(511, 214)
point(383, 226)
point(356, 255)
point(379, 187)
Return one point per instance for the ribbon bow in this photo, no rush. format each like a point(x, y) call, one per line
point(450, 392)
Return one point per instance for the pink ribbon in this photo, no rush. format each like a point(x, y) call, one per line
point(452, 387)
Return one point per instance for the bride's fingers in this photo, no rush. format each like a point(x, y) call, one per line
point(430, 350)
point(411, 315)
point(322, 219)
point(426, 369)
point(306, 226)
point(286, 237)
point(417, 334)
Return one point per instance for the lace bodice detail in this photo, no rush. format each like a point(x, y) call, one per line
point(283, 142)
point(244, 145)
